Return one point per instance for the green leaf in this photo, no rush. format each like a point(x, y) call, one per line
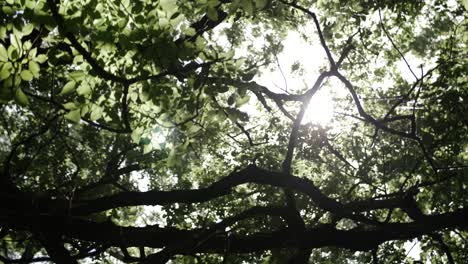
point(228, 55)
point(84, 89)
point(260, 4)
point(70, 106)
point(77, 75)
point(236, 115)
point(27, 45)
point(134, 97)
point(163, 22)
point(27, 29)
point(3, 53)
point(212, 3)
point(41, 58)
point(171, 159)
point(190, 31)
point(136, 135)
point(68, 88)
point(5, 71)
point(145, 141)
point(147, 148)
point(15, 42)
point(200, 42)
point(34, 67)
point(73, 116)
point(465, 4)
point(26, 75)
point(125, 3)
point(3, 33)
point(31, 4)
point(243, 100)
point(8, 10)
point(247, 6)
point(32, 53)
point(96, 114)
point(193, 129)
point(212, 14)
point(222, 88)
point(21, 98)
point(13, 53)
point(168, 5)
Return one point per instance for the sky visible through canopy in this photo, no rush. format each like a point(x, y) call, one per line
point(240, 131)
point(279, 78)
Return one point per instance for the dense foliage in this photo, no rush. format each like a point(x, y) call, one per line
point(144, 131)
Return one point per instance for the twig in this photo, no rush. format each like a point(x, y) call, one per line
point(319, 30)
point(395, 46)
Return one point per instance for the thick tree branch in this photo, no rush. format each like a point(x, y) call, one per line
point(251, 174)
point(153, 236)
point(167, 253)
point(293, 137)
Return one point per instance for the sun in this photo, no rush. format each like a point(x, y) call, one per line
point(280, 78)
point(320, 109)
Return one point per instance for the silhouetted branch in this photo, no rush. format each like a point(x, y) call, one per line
point(321, 236)
point(395, 46)
point(319, 31)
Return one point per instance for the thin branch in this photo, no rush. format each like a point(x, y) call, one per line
point(395, 46)
point(5, 176)
point(92, 123)
point(86, 55)
point(365, 115)
point(319, 30)
point(293, 137)
point(124, 112)
point(99, 69)
point(348, 47)
point(437, 237)
point(427, 156)
point(282, 73)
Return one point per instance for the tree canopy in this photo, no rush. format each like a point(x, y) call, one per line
point(151, 132)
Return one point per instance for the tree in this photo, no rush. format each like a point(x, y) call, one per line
point(100, 98)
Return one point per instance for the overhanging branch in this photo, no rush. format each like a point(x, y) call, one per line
point(322, 236)
point(224, 186)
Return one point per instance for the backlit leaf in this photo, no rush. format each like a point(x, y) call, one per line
point(212, 14)
point(34, 67)
point(73, 116)
point(21, 98)
point(3, 53)
point(41, 58)
point(5, 71)
point(26, 75)
point(27, 29)
point(84, 89)
point(69, 87)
